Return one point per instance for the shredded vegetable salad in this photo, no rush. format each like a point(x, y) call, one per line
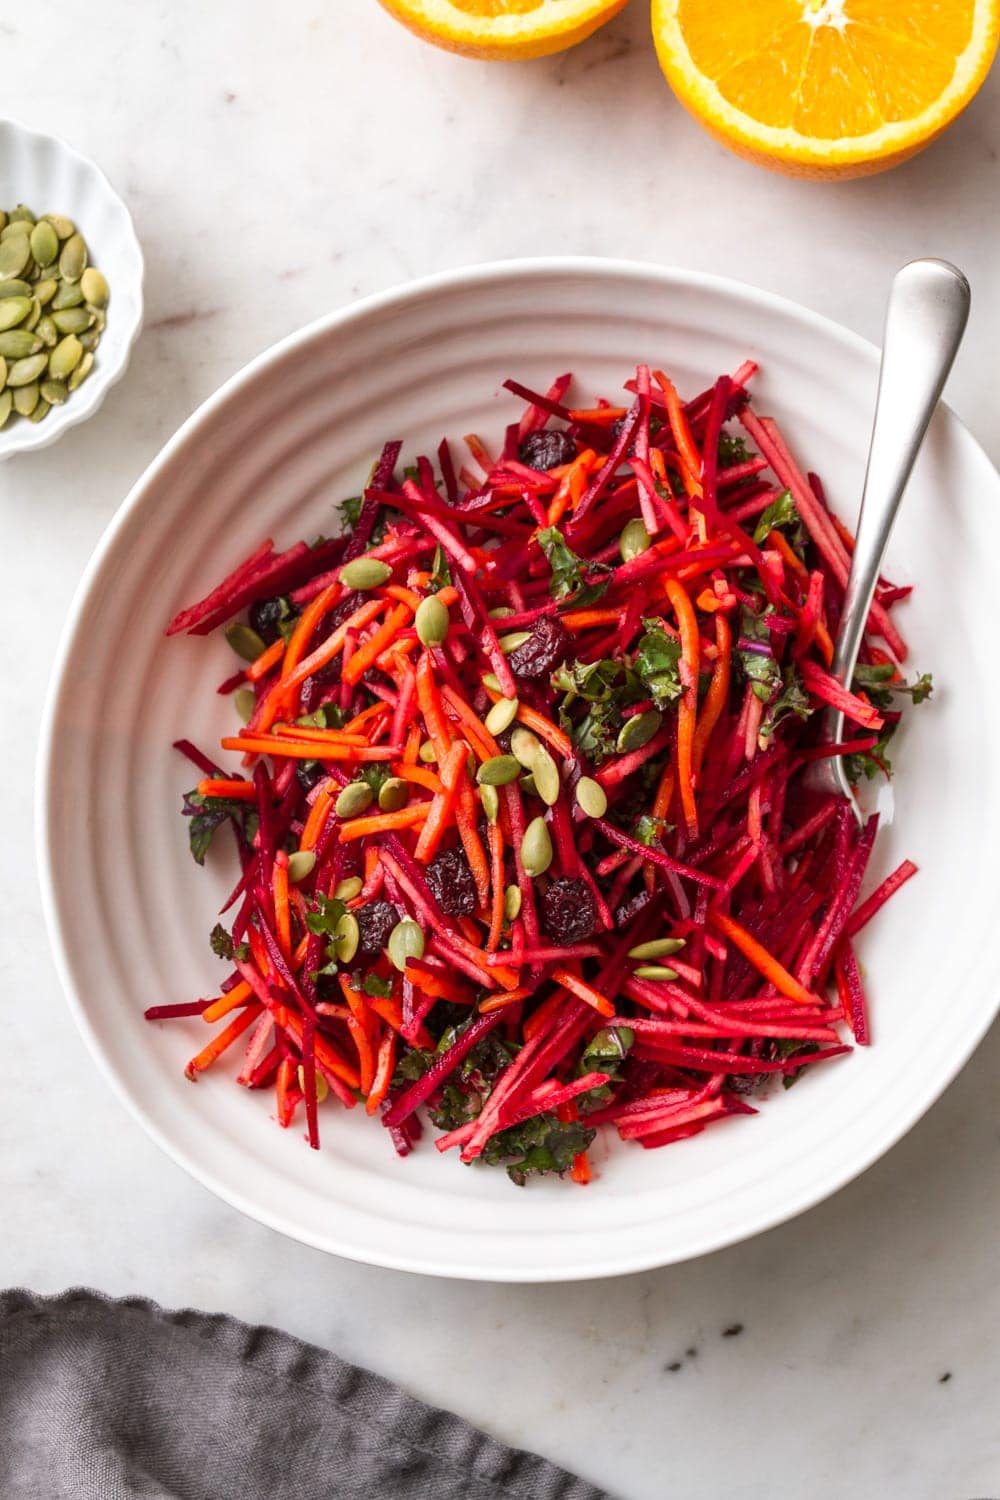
point(520, 794)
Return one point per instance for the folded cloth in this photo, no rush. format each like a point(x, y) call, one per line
point(121, 1400)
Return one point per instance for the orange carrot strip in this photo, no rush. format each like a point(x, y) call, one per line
point(282, 911)
point(825, 643)
point(328, 649)
point(764, 962)
point(384, 1069)
point(263, 663)
point(441, 985)
point(367, 652)
point(687, 712)
point(494, 835)
point(308, 620)
point(430, 707)
point(664, 791)
point(715, 698)
point(687, 450)
point(364, 717)
point(584, 991)
point(316, 821)
point(477, 734)
point(321, 736)
point(283, 1084)
point(407, 817)
point(208, 1055)
point(500, 1002)
point(219, 786)
point(583, 619)
point(273, 744)
point(412, 747)
point(543, 1014)
point(227, 1002)
point(466, 816)
point(791, 557)
point(419, 775)
point(571, 486)
point(441, 809)
point(597, 414)
point(359, 1025)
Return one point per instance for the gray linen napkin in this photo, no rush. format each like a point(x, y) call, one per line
point(121, 1400)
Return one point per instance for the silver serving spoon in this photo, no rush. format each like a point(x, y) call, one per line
point(924, 322)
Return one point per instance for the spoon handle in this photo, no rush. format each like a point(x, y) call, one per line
point(924, 322)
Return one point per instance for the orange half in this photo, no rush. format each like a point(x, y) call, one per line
point(826, 88)
point(503, 30)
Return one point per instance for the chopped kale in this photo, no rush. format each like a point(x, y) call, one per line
point(573, 578)
point(657, 662)
point(207, 816)
point(781, 513)
point(537, 1146)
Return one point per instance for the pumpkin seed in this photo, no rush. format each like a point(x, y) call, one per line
point(525, 746)
point(393, 794)
point(54, 392)
point(14, 310)
point(528, 786)
point(44, 290)
point(406, 941)
point(633, 540)
point(427, 753)
point(347, 890)
point(502, 715)
point(244, 698)
point(322, 1087)
point(18, 343)
point(90, 340)
point(22, 215)
point(499, 770)
point(490, 798)
point(3, 219)
point(500, 613)
point(509, 643)
point(48, 332)
point(638, 731)
point(244, 641)
point(3, 372)
point(41, 410)
point(346, 937)
point(72, 319)
point(44, 244)
point(301, 864)
point(14, 255)
point(657, 948)
point(536, 848)
point(24, 371)
point(654, 971)
point(63, 227)
point(26, 399)
point(356, 798)
point(16, 288)
point(592, 797)
point(545, 774)
point(492, 682)
point(17, 230)
point(6, 402)
point(512, 902)
point(68, 294)
point(33, 319)
point(73, 258)
point(365, 573)
point(81, 372)
point(432, 621)
point(94, 285)
point(62, 362)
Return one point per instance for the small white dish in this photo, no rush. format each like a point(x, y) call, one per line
point(51, 177)
point(269, 455)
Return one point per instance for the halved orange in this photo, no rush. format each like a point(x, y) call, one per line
point(826, 88)
point(503, 30)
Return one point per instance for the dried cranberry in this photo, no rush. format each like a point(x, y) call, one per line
point(569, 912)
point(266, 616)
point(547, 449)
point(451, 883)
point(375, 922)
point(308, 773)
point(547, 646)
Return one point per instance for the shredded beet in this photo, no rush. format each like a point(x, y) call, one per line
point(522, 800)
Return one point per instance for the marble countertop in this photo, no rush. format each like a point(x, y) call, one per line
point(279, 161)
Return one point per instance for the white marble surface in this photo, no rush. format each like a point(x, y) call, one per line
point(279, 160)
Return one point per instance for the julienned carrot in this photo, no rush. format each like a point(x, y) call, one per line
point(236, 788)
point(453, 773)
point(682, 868)
point(384, 1069)
point(687, 713)
point(364, 827)
point(765, 963)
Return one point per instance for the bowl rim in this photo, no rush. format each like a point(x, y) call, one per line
point(595, 267)
point(28, 437)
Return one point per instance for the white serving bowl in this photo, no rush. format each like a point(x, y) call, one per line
point(269, 455)
point(50, 177)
